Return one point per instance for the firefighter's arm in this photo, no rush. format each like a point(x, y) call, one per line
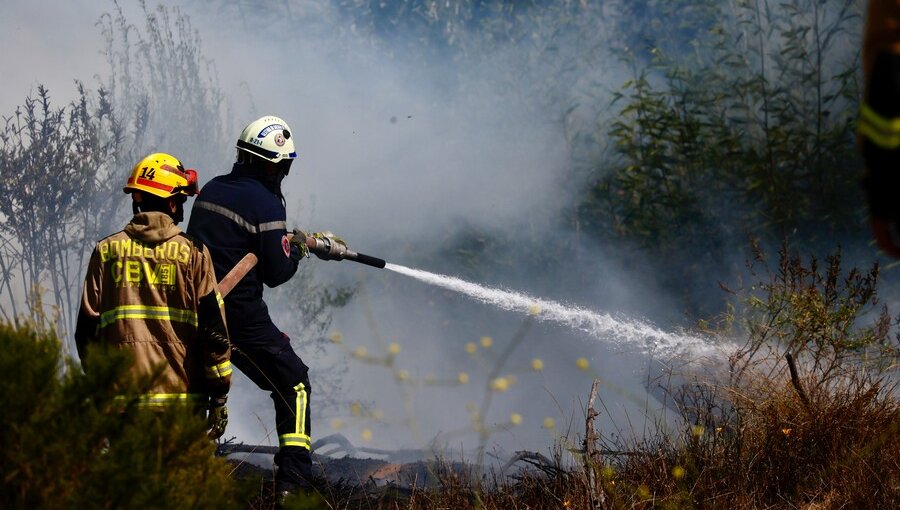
point(88, 323)
point(214, 338)
point(879, 120)
point(278, 258)
point(217, 356)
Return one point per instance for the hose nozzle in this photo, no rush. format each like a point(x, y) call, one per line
point(327, 247)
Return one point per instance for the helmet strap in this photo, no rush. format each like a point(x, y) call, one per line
point(173, 206)
point(268, 173)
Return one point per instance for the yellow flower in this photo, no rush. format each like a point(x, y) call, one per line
point(463, 378)
point(537, 364)
point(534, 309)
point(698, 430)
point(678, 472)
point(471, 347)
point(337, 424)
point(361, 351)
point(515, 418)
point(487, 342)
point(607, 472)
point(549, 423)
point(336, 337)
point(402, 375)
point(582, 364)
point(394, 348)
point(366, 435)
point(355, 409)
point(500, 384)
point(643, 491)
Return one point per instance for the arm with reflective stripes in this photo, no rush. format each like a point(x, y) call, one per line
point(89, 314)
point(878, 129)
point(213, 332)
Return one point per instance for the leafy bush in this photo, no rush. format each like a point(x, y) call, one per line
point(65, 445)
point(805, 412)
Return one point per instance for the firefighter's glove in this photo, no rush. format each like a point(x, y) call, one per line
point(329, 246)
point(298, 241)
point(217, 419)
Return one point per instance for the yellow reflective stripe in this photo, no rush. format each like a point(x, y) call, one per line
point(299, 437)
point(148, 312)
point(300, 426)
point(220, 299)
point(881, 131)
point(218, 371)
point(162, 399)
point(301, 440)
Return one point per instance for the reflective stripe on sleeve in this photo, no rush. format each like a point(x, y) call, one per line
point(148, 312)
point(239, 220)
point(219, 371)
point(162, 399)
point(883, 132)
point(220, 299)
point(272, 225)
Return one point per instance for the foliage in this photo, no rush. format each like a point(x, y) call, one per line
point(64, 447)
point(814, 313)
point(750, 134)
point(56, 165)
point(817, 427)
point(159, 77)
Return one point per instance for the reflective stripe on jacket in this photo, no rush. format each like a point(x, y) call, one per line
point(151, 290)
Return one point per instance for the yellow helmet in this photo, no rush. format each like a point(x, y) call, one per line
point(162, 175)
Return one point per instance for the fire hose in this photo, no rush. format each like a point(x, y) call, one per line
point(315, 245)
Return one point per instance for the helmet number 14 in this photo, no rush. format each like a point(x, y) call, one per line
point(149, 175)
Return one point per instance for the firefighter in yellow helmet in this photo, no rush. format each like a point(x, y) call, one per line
point(151, 290)
point(879, 120)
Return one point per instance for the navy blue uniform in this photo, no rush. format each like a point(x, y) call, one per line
point(234, 215)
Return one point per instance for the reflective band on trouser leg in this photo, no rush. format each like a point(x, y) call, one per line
point(883, 132)
point(299, 437)
point(219, 371)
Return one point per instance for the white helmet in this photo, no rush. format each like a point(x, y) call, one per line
point(269, 138)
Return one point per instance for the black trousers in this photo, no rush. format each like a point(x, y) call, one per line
point(282, 373)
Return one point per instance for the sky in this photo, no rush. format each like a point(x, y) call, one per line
point(394, 161)
point(52, 47)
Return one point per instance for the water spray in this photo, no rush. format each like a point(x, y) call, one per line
point(623, 331)
point(602, 326)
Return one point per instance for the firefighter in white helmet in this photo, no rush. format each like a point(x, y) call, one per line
point(244, 212)
point(151, 290)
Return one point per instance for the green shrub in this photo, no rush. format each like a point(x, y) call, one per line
point(66, 445)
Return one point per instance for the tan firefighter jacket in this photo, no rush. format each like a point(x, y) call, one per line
point(151, 290)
